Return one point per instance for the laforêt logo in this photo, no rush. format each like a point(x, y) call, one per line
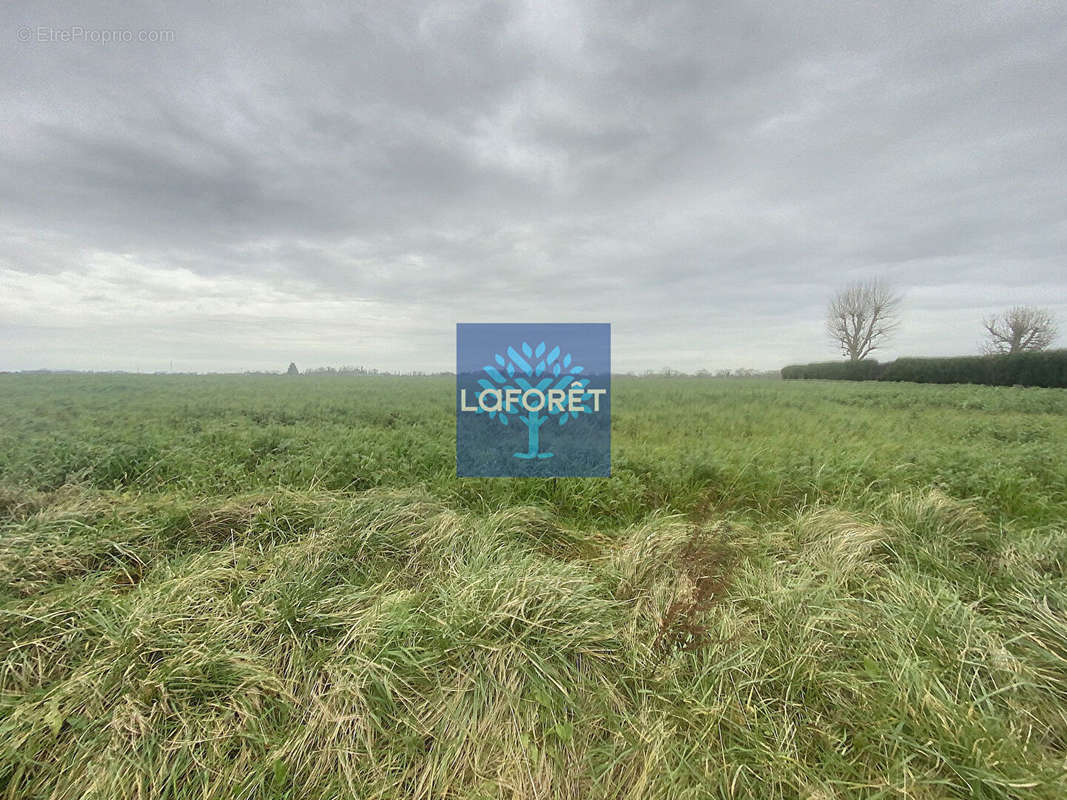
point(533, 400)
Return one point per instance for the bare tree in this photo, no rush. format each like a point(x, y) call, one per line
point(1020, 329)
point(862, 316)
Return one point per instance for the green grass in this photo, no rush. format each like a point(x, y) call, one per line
point(268, 587)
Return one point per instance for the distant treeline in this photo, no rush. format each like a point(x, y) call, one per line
point(349, 370)
point(1046, 368)
point(670, 372)
point(249, 372)
point(665, 372)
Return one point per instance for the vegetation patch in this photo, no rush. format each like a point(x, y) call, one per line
point(1046, 368)
point(807, 589)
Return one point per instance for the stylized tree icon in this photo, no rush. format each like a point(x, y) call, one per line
point(519, 371)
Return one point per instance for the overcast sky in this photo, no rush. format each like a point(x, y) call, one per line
point(342, 185)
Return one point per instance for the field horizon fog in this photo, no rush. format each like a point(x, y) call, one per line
point(263, 587)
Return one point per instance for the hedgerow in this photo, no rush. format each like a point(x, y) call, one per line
point(1047, 368)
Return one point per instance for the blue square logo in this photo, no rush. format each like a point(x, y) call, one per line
point(533, 400)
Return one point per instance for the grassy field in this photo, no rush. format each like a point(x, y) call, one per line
point(216, 587)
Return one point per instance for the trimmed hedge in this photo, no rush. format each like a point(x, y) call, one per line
point(866, 370)
point(1047, 368)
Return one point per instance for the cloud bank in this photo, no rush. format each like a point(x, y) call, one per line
point(341, 185)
